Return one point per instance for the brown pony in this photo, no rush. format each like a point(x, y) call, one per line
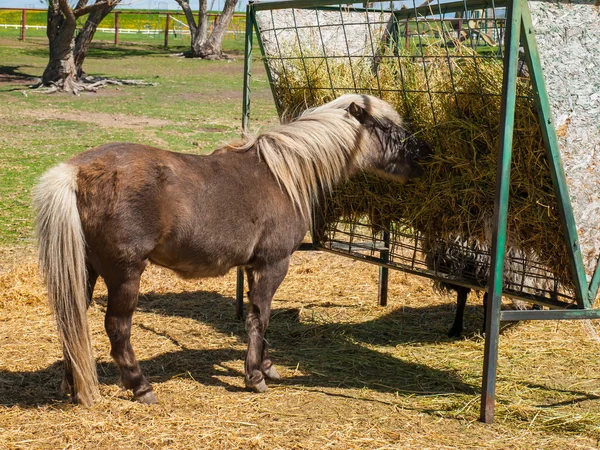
point(112, 210)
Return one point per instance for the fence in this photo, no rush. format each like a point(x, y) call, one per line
point(121, 26)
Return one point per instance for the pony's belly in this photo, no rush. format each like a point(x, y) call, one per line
point(189, 269)
point(202, 272)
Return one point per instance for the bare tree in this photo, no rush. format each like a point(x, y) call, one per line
point(62, 70)
point(205, 45)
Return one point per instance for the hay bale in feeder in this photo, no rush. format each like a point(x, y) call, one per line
point(450, 97)
point(455, 196)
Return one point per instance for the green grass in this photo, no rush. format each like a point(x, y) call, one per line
point(195, 107)
point(231, 44)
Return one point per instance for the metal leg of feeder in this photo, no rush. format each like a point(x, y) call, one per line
point(382, 292)
point(509, 90)
point(239, 294)
point(239, 290)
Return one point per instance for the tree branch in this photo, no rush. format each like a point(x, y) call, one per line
point(189, 14)
point(67, 11)
point(81, 4)
point(89, 8)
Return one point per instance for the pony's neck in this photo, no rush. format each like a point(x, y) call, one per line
point(313, 154)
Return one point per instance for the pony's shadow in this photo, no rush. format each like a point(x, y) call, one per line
point(329, 354)
point(41, 387)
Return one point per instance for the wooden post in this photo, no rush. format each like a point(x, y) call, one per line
point(167, 30)
point(116, 28)
point(23, 23)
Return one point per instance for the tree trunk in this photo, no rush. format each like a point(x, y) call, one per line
point(212, 47)
point(199, 36)
point(61, 70)
point(85, 36)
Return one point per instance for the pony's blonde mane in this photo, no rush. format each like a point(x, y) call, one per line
point(312, 153)
point(376, 107)
point(317, 150)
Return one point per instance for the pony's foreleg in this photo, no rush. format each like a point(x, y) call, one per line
point(122, 300)
point(461, 301)
point(92, 277)
point(263, 283)
point(485, 311)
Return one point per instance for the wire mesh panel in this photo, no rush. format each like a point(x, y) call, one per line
point(441, 66)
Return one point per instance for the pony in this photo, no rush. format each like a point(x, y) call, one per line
point(112, 210)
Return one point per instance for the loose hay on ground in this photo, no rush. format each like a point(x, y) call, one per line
point(354, 375)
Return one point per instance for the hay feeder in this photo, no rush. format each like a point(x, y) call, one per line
point(508, 94)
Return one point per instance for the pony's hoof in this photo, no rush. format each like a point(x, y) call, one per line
point(271, 373)
point(454, 333)
point(256, 382)
point(67, 389)
point(148, 398)
point(260, 387)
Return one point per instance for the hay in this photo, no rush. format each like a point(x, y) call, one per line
point(451, 99)
point(354, 375)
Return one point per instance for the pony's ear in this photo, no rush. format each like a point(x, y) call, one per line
point(360, 114)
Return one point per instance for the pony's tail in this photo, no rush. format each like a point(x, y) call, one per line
point(61, 253)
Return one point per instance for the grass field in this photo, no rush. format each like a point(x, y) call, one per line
point(354, 375)
point(195, 106)
point(136, 27)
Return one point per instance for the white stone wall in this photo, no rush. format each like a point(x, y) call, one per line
point(354, 38)
point(568, 37)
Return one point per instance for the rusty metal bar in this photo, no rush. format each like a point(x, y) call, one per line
point(23, 23)
point(167, 30)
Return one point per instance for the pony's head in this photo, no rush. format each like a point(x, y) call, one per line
point(395, 152)
point(392, 151)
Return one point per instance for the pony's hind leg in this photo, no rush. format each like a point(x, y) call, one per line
point(122, 301)
point(263, 283)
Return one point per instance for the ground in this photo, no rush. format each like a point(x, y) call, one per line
point(355, 375)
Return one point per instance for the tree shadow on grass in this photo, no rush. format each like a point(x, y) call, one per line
point(15, 74)
point(105, 50)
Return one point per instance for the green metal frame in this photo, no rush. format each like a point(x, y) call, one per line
point(519, 32)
